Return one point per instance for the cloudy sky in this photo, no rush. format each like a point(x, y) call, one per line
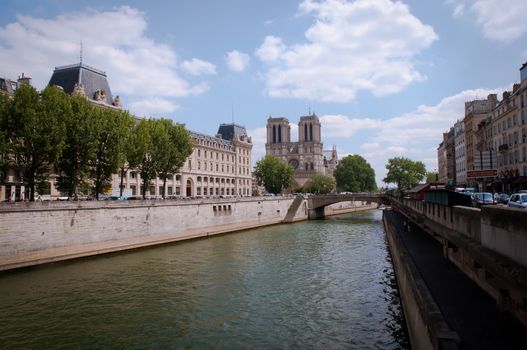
point(385, 77)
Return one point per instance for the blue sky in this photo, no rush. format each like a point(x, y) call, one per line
point(386, 78)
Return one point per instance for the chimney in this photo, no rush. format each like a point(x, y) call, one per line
point(23, 80)
point(492, 97)
point(515, 88)
point(506, 95)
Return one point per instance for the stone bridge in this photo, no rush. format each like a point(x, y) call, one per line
point(317, 203)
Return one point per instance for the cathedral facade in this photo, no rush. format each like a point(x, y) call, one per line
point(306, 156)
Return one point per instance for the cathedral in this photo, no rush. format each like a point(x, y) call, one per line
point(306, 156)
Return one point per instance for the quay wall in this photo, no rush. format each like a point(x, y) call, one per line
point(487, 244)
point(36, 233)
point(426, 325)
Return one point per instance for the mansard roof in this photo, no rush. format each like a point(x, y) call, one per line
point(227, 131)
point(91, 78)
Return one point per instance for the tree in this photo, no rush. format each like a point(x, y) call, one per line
point(142, 156)
point(105, 160)
point(172, 149)
point(274, 174)
point(320, 184)
point(432, 177)
point(80, 146)
point(354, 174)
point(4, 144)
point(404, 172)
point(125, 148)
point(36, 131)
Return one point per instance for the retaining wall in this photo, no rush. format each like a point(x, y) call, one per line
point(35, 233)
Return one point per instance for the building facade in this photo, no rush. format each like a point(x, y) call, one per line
point(306, 156)
point(494, 138)
point(218, 166)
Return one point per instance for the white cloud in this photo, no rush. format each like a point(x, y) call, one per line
point(342, 126)
point(501, 21)
point(198, 67)
point(459, 10)
point(361, 45)
point(237, 61)
point(153, 107)
point(114, 41)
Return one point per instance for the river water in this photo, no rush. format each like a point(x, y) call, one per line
point(325, 284)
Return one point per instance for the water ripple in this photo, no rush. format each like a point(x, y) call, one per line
point(311, 285)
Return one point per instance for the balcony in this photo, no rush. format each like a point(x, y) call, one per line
point(503, 148)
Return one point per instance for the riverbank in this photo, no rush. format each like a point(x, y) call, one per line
point(37, 233)
point(43, 232)
point(443, 307)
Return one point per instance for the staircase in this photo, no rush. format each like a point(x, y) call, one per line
point(293, 209)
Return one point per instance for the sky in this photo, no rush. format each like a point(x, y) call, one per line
point(386, 78)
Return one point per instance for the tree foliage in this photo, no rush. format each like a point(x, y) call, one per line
point(273, 174)
point(36, 131)
point(172, 148)
point(79, 151)
point(109, 134)
point(320, 184)
point(432, 176)
point(354, 174)
point(5, 103)
point(145, 136)
point(404, 172)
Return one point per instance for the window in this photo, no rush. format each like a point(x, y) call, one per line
point(132, 175)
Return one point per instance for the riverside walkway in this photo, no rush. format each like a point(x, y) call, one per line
point(467, 309)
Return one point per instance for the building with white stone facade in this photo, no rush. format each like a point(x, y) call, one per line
point(498, 141)
point(218, 166)
point(460, 153)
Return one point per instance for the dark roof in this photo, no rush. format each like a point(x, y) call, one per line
point(91, 78)
point(419, 188)
point(227, 131)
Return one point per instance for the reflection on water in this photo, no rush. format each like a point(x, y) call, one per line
point(320, 284)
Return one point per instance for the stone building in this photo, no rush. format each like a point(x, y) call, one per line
point(81, 79)
point(218, 166)
point(306, 156)
point(460, 153)
point(492, 136)
point(446, 158)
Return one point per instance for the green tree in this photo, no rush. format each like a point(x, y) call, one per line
point(143, 157)
point(4, 143)
point(432, 177)
point(171, 149)
point(320, 184)
point(404, 172)
point(105, 160)
point(79, 150)
point(354, 174)
point(36, 131)
point(274, 174)
point(125, 148)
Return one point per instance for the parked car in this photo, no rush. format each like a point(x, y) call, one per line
point(518, 200)
point(482, 198)
point(501, 198)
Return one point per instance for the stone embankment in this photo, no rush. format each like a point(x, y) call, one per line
point(43, 232)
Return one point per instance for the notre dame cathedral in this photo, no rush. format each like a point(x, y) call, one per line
point(306, 156)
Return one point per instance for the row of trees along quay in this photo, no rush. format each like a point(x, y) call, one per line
point(52, 132)
point(352, 174)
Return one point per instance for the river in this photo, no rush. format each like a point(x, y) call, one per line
point(325, 284)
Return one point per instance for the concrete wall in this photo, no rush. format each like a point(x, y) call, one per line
point(34, 233)
point(426, 325)
point(505, 231)
point(487, 244)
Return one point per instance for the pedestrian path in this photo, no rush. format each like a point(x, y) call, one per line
point(467, 309)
